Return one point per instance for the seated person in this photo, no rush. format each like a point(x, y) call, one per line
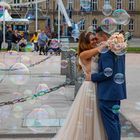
point(53, 46)
point(22, 43)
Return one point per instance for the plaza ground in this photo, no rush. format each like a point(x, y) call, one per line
point(130, 107)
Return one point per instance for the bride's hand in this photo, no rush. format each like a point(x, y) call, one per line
point(102, 45)
point(88, 77)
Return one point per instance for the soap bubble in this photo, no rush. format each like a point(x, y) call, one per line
point(107, 9)
point(108, 25)
point(121, 16)
point(119, 78)
point(64, 64)
point(40, 119)
point(19, 74)
point(108, 72)
point(116, 109)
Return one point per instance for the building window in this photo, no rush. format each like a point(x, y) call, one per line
point(31, 5)
point(94, 24)
point(56, 21)
point(131, 5)
point(94, 5)
point(16, 1)
point(70, 5)
point(119, 27)
point(118, 4)
point(82, 25)
point(131, 25)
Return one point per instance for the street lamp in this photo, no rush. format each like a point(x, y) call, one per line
point(36, 16)
point(3, 24)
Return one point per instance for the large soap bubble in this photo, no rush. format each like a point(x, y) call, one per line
point(109, 25)
point(107, 9)
point(121, 17)
point(19, 74)
point(41, 119)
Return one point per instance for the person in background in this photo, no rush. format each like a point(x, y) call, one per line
point(22, 43)
point(9, 38)
point(34, 39)
point(42, 40)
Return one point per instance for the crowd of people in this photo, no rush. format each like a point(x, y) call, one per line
point(40, 41)
point(13, 39)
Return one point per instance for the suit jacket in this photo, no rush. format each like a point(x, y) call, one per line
point(107, 88)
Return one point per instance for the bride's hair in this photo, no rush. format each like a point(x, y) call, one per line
point(84, 43)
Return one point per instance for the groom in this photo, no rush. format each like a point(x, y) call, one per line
point(109, 92)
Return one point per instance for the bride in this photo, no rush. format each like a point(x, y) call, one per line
point(83, 121)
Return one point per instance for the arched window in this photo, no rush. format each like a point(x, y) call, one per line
point(82, 25)
point(131, 5)
point(131, 25)
point(70, 5)
point(94, 23)
point(118, 4)
point(94, 5)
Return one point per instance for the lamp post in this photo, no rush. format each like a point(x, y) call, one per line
point(36, 16)
point(58, 21)
point(3, 24)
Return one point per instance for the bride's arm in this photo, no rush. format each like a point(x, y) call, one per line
point(89, 53)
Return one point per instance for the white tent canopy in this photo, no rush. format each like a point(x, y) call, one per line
point(8, 18)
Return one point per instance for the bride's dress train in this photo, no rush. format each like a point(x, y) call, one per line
point(83, 121)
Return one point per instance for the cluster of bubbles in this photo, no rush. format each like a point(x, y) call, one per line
point(119, 17)
point(118, 77)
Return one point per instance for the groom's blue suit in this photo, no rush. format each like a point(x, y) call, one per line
point(109, 92)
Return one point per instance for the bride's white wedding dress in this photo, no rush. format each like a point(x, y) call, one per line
point(83, 121)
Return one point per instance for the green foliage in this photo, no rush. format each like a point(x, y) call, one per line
point(133, 50)
point(129, 50)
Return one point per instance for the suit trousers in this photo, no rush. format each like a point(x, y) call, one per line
point(110, 116)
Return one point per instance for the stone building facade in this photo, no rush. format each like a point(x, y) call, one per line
point(92, 17)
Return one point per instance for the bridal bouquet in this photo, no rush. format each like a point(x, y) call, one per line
point(116, 43)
